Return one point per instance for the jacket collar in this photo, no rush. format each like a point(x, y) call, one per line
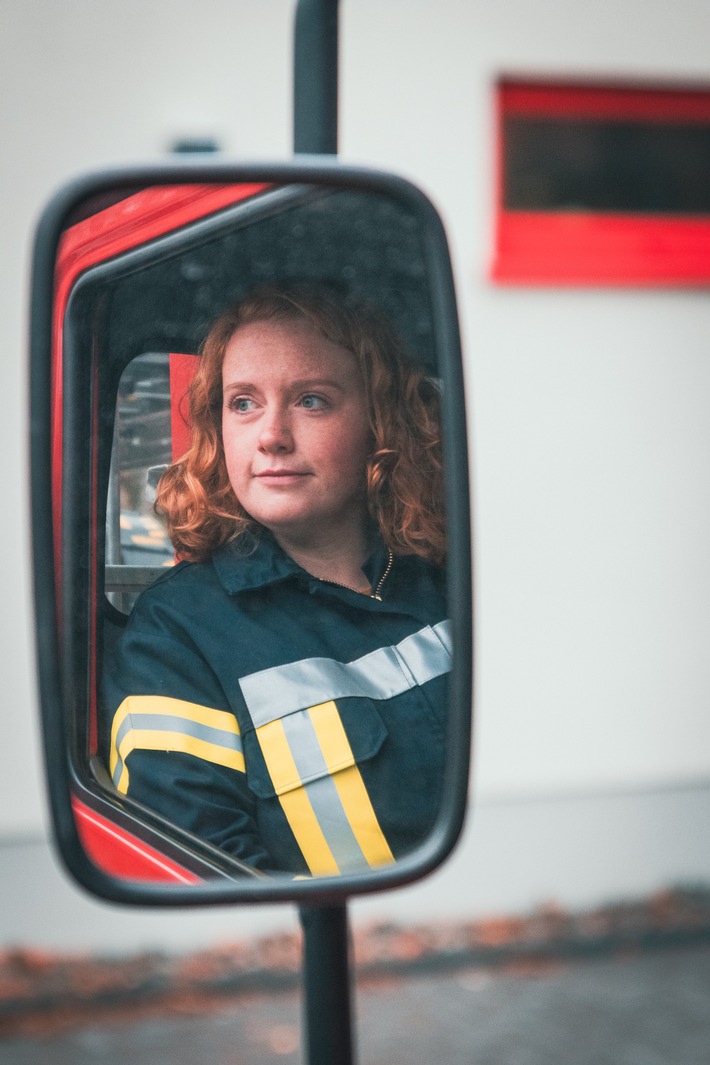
point(258, 561)
point(253, 562)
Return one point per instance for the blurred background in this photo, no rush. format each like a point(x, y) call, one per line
point(588, 377)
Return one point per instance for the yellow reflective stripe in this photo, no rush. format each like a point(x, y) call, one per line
point(362, 817)
point(295, 803)
point(169, 739)
point(163, 704)
point(353, 794)
point(150, 740)
point(277, 755)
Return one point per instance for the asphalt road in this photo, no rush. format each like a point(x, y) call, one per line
point(650, 1008)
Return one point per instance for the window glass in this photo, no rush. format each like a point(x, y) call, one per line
point(556, 164)
point(136, 540)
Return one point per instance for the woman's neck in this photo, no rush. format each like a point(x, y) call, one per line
point(338, 558)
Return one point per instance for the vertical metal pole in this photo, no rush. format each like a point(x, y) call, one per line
point(326, 965)
point(328, 1037)
point(315, 82)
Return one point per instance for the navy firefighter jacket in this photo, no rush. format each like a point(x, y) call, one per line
point(295, 723)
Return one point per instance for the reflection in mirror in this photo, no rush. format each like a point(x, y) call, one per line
point(274, 645)
point(137, 546)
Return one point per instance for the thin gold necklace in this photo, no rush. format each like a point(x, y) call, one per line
point(365, 591)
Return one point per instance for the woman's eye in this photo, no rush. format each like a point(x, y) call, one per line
point(241, 404)
point(311, 402)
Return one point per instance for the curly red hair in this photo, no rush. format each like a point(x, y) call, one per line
point(404, 470)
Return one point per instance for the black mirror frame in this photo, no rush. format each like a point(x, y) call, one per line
point(59, 772)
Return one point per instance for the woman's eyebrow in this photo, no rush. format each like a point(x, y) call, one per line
point(245, 386)
point(295, 383)
point(316, 382)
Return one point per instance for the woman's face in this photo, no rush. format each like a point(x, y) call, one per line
point(296, 432)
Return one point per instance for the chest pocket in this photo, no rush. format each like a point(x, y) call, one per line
point(312, 760)
point(312, 767)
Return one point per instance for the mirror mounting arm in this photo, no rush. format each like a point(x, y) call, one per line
point(315, 86)
point(327, 978)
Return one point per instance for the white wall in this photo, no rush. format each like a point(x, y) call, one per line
point(588, 406)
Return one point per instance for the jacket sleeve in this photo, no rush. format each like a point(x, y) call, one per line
point(175, 743)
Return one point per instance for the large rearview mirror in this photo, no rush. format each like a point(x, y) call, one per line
point(251, 525)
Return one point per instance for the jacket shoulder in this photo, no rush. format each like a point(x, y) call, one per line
point(180, 586)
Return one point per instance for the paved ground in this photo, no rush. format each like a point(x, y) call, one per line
point(639, 1008)
point(625, 984)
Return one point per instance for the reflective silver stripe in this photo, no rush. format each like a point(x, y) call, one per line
point(305, 749)
point(322, 793)
point(169, 723)
point(381, 674)
point(334, 824)
point(443, 633)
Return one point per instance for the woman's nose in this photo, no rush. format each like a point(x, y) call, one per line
point(275, 432)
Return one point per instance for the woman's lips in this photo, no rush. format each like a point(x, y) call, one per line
point(282, 476)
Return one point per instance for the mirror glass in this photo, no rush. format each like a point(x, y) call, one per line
point(257, 648)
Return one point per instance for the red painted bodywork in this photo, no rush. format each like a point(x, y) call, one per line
point(594, 248)
point(120, 854)
point(127, 224)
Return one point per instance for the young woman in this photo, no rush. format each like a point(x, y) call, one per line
point(281, 692)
